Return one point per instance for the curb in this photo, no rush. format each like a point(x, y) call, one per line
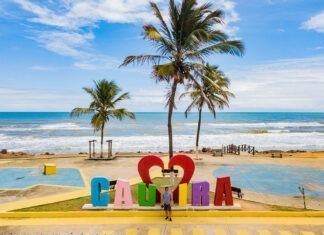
point(78, 214)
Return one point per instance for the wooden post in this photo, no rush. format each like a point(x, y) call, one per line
point(109, 148)
point(93, 148)
point(172, 178)
point(90, 149)
point(222, 151)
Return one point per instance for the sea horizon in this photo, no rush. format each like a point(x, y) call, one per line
point(56, 132)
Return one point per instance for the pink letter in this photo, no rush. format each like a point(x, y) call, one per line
point(123, 196)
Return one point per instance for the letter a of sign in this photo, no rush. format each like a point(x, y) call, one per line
point(223, 191)
point(123, 195)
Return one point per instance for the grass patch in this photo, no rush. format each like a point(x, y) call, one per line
point(287, 208)
point(68, 205)
point(77, 203)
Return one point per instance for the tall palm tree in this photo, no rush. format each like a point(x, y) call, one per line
point(208, 95)
point(105, 97)
point(182, 44)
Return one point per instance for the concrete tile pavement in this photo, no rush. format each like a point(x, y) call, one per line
point(157, 225)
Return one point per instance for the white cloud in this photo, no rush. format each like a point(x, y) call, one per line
point(315, 23)
point(97, 62)
point(65, 43)
point(40, 100)
point(44, 68)
point(273, 2)
point(283, 85)
point(69, 23)
point(231, 16)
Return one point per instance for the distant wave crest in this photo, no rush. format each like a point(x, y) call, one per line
point(261, 124)
point(54, 126)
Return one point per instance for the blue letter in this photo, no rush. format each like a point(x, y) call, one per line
point(97, 185)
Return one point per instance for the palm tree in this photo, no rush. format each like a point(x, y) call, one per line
point(208, 95)
point(105, 97)
point(182, 44)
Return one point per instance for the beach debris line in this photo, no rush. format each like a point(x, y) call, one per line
point(276, 155)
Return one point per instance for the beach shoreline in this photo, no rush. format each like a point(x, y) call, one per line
point(266, 153)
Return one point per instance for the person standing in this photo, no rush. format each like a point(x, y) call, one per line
point(166, 201)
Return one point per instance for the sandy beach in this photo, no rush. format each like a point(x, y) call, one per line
point(125, 166)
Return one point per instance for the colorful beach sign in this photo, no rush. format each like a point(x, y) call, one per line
point(148, 195)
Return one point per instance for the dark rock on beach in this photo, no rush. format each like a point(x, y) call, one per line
point(47, 153)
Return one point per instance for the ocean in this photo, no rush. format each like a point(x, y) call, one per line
point(57, 132)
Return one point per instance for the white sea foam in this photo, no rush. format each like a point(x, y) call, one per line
point(62, 126)
point(284, 141)
point(259, 124)
point(278, 131)
point(54, 126)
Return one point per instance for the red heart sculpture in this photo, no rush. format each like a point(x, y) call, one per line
point(184, 161)
point(188, 166)
point(144, 166)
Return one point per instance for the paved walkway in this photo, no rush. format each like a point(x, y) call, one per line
point(159, 226)
point(127, 168)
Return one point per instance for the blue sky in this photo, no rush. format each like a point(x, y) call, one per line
point(51, 49)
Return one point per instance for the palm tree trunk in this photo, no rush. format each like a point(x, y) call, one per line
point(171, 107)
point(102, 137)
point(198, 132)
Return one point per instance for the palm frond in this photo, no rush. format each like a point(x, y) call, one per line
point(97, 121)
point(122, 97)
point(234, 47)
point(120, 114)
point(158, 15)
point(76, 112)
point(190, 106)
point(142, 59)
